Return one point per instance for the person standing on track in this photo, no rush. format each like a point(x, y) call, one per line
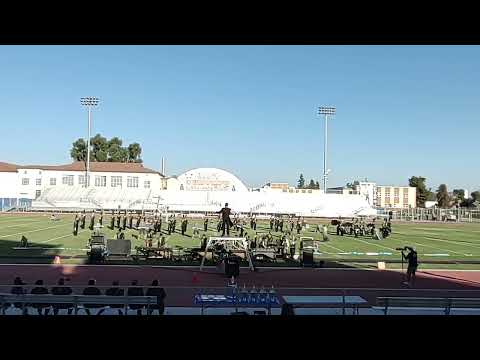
point(412, 260)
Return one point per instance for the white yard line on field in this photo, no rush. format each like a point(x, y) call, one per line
point(437, 248)
point(18, 220)
point(333, 247)
point(18, 225)
point(369, 243)
point(31, 231)
point(452, 242)
point(60, 237)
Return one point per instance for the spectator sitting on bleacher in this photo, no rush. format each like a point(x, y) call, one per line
point(91, 290)
point(160, 294)
point(287, 310)
point(135, 291)
point(40, 290)
point(114, 291)
point(18, 290)
point(62, 290)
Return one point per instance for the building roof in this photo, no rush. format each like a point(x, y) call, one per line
point(80, 166)
point(6, 167)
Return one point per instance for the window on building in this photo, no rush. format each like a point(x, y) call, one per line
point(37, 193)
point(25, 181)
point(81, 179)
point(132, 181)
point(100, 181)
point(146, 184)
point(396, 192)
point(116, 181)
point(53, 181)
point(67, 180)
point(38, 182)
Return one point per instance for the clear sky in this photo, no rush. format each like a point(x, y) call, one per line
point(252, 110)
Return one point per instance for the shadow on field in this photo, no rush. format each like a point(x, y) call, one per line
point(13, 251)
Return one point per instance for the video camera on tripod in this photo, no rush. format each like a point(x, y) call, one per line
point(404, 248)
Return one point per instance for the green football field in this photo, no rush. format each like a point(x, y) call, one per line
point(452, 242)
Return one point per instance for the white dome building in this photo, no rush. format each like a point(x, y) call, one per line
point(210, 179)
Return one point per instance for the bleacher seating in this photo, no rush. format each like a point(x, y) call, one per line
point(76, 197)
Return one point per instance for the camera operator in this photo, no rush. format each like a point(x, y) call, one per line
point(411, 257)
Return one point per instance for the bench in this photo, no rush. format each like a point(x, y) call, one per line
point(422, 302)
point(344, 301)
point(77, 301)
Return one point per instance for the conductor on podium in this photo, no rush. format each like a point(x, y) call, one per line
point(226, 222)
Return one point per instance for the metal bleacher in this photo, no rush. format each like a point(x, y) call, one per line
point(76, 197)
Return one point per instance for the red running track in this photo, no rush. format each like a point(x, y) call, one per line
point(367, 283)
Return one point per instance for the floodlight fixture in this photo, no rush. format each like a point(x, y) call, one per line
point(327, 110)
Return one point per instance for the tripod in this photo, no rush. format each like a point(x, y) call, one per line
point(403, 274)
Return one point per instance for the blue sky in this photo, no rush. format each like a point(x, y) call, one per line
point(252, 110)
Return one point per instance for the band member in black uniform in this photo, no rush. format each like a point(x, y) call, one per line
point(205, 224)
point(159, 229)
point(112, 221)
point(271, 223)
point(280, 224)
point(83, 220)
point(124, 221)
point(92, 220)
point(276, 224)
point(118, 219)
point(184, 225)
point(75, 224)
point(226, 222)
point(254, 222)
point(174, 223)
point(299, 226)
point(139, 218)
point(100, 220)
point(169, 225)
point(292, 247)
point(130, 219)
point(292, 225)
point(203, 245)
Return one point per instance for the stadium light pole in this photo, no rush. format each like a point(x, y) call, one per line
point(88, 102)
point(326, 111)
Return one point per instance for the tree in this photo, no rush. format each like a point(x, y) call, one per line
point(79, 150)
point(102, 150)
point(99, 148)
point(459, 194)
point(443, 199)
point(422, 193)
point(475, 195)
point(317, 185)
point(352, 185)
point(301, 182)
point(311, 185)
point(134, 152)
